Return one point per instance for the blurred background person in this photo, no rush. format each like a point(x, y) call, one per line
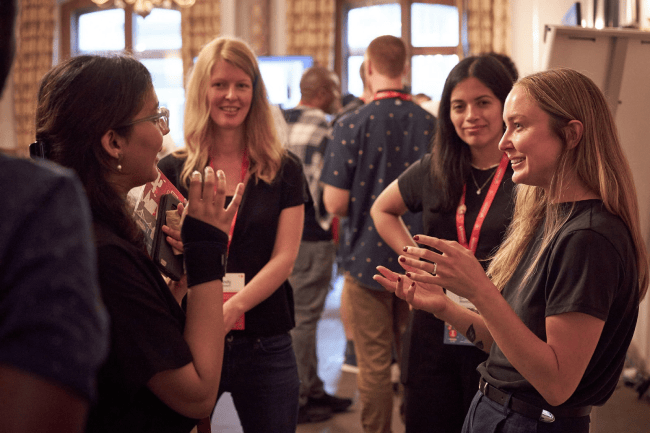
point(308, 134)
point(369, 149)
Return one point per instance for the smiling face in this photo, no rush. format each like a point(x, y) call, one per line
point(140, 153)
point(531, 146)
point(476, 114)
point(230, 93)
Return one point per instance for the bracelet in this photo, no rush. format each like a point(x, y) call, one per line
point(205, 248)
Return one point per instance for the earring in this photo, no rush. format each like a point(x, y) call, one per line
point(119, 163)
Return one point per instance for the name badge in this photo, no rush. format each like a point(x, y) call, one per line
point(232, 284)
point(450, 334)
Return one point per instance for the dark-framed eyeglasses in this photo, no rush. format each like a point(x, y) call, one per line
point(162, 118)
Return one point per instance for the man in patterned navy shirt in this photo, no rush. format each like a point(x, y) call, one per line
point(370, 148)
point(308, 132)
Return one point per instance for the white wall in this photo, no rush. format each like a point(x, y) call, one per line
point(533, 14)
point(527, 53)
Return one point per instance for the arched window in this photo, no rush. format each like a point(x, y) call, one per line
point(155, 40)
point(431, 29)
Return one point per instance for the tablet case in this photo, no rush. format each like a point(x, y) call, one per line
point(168, 263)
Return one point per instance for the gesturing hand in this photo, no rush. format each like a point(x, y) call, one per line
point(207, 203)
point(455, 268)
point(419, 295)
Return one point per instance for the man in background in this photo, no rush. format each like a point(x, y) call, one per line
point(308, 132)
point(370, 148)
point(53, 326)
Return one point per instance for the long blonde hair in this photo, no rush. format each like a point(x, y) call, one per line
point(264, 149)
point(597, 160)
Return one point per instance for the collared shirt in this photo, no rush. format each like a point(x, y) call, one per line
point(370, 148)
point(308, 133)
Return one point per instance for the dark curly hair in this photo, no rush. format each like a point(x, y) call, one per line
point(79, 100)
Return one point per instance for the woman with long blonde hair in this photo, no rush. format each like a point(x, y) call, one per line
point(229, 126)
point(560, 310)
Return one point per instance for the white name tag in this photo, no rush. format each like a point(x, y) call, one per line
point(451, 335)
point(233, 282)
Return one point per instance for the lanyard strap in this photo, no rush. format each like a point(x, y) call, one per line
point(244, 170)
point(385, 94)
point(487, 203)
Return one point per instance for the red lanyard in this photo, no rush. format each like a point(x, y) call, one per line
point(487, 203)
point(244, 170)
point(384, 94)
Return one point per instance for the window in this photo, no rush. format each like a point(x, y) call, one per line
point(431, 30)
point(154, 40)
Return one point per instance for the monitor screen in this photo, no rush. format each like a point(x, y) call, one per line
point(573, 16)
point(281, 76)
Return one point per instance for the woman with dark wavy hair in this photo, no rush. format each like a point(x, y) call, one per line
point(464, 175)
point(100, 117)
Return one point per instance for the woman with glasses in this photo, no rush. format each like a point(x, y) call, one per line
point(100, 117)
point(229, 126)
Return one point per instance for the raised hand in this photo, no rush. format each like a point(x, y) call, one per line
point(455, 269)
point(419, 295)
point(207, 203)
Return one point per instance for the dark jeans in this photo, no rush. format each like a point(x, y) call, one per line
point(440, 380)
point(486, 415)
point(262, 376)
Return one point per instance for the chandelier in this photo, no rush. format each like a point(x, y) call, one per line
point(144, 7)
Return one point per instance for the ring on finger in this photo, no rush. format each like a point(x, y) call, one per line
point(435, 268)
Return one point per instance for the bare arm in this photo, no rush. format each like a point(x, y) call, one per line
point(275, 272)
point(554, 367)
point(192, 389)
point(386, 213)
point(30, 403)
point(336, 200)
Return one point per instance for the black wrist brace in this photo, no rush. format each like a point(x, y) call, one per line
point(205, 251)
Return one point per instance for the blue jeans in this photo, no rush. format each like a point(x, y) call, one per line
point(486, 415)
point(262, 377)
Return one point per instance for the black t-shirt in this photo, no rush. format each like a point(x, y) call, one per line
point(590, 267)
point(147, 327)
point(254, 238)
point(427, 354)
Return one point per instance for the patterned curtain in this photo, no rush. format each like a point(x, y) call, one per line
point(310, 30)
point(488, 26)
point(199, 25)
point(259, 27)
point(33, 59)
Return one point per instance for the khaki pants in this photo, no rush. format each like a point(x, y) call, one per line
point(378, 320)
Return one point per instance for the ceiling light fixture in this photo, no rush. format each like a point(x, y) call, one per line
point(144, 7)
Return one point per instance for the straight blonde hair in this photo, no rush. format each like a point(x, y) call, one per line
point(597, 159)
point(264, 149)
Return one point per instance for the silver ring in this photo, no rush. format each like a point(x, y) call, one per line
point(435, 268)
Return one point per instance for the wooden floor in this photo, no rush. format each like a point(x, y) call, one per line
point(622, 413)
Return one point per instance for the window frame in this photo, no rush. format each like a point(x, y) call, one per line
point(342, 52)
point(70, 12)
